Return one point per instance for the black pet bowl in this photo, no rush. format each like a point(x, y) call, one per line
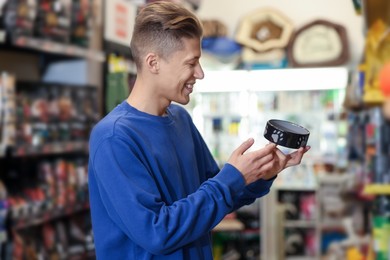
point(286, 134)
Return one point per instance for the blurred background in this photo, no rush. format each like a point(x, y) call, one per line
point(325, 65)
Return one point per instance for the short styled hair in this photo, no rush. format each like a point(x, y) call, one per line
point(160, 27)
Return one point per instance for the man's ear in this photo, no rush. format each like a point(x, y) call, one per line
point(152, 62)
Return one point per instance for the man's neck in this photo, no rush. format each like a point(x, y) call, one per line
point(143, 99)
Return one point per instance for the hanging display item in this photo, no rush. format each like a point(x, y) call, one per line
point(357, 4)
point(264, 29)
point(219, 52)
point(384, 83)
point(376, 55)
point(264, 34)
point(319, 43)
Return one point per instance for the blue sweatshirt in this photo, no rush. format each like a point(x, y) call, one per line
point(155, 190)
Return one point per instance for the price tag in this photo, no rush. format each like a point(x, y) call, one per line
point(33, 43)
point(69, 50)
point(47, 46)
point(3, 236)
point(21, 41)
point(21, 151)
point(57, 47)
point(2, 36)
point(46, 149)
point(69, 146)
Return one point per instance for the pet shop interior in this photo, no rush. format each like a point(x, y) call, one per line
point(321, 64)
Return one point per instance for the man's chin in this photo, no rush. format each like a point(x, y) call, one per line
point(183, 101)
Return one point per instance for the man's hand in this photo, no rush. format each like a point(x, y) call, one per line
point(264, 163)
point(283, 161)
point(253, 165)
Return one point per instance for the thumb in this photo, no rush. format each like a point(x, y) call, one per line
point(244, 146)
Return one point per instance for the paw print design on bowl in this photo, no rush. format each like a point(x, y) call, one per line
point(301, 141)
point(277, 136)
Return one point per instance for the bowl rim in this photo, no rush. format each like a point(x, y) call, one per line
point(273, 123)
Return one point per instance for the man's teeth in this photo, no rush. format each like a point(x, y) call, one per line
point(190, 86)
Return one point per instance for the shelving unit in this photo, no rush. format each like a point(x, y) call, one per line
point(48, 216)
point(290, 223)
point(372, 141)
point(45, 169)
point(45, 46)
point(237, 236)
point(369, 146)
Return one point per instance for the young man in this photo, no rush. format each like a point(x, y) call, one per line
point(155, 190)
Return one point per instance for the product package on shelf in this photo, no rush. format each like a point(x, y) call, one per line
point(53, 20)
point(4, 208)
point(53, 189)
point(19, 17)
point(2, 26)
point(368, 145)
point(60, 239)
point(120, 80)
point(81, 22)
point(7, 112)
point(54, 118)
point(44, 192)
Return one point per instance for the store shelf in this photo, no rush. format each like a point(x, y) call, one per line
point(300, 223)
point(377, 189)
point(47, 216)
point(53, 148)
point(37, 84)
point(334, 225)
point(44, 169)
point(57, 48)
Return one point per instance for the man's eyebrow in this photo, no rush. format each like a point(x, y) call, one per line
point(193, 59)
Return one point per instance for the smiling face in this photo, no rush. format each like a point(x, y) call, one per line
point(178, 73)
point(166, 49)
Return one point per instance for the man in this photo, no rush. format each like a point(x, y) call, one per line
point(155, 190)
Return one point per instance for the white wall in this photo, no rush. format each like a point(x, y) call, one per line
point(299, 11)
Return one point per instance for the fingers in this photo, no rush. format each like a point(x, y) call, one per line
point(259, 157)
point(266, 168)
point(244, 146)
point(264, 160)
point(275, 161)
point(283, 158)
point(296, 157)
point(269, 148)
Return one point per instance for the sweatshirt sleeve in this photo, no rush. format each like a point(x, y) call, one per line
point(253, 191)
point(132, 198)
